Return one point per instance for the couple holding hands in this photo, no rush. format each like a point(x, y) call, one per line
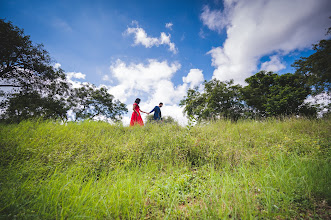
point(136, 117)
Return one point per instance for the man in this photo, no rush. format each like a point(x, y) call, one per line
point(157, 112)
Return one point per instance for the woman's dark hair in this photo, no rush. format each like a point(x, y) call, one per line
point(137, 100)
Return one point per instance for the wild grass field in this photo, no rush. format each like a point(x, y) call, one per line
point(274, 169)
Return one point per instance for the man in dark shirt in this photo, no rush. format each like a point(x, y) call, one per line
point(157, 112)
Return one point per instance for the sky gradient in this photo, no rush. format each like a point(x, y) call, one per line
point(156, 50)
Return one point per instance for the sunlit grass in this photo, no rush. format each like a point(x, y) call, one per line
point(248, 169)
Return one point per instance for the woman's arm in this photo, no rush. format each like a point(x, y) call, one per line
point(135, 109)
point(144, 112)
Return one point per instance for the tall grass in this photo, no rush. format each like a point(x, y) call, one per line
point(94, 170)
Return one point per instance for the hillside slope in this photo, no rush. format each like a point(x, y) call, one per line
point(249, 169)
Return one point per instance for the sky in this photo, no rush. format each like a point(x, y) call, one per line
point(157, 49)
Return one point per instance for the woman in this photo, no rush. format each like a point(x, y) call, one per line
point(136, 117)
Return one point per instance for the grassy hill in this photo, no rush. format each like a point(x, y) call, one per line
point(94, 170)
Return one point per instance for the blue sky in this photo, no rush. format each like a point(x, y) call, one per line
point(156, 50)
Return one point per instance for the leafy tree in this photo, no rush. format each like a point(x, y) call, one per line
point(169, 120)
point(88, 102)
point(26, 68)
point(166, 119)
point(149, 118)
point(24, 64)
point(37, 89)
point(317, 67)
point(218, 100)
point(25, 105)
point(273, 95)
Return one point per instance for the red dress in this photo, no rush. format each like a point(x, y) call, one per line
point(136, 118)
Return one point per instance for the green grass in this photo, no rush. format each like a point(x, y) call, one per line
point(94, 170)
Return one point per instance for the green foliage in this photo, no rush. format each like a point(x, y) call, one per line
point(42, 91)
point(27, 67)
point(317, 67)
point(277, 95)
point(30, 105)
point(245, 170)
point(23, 63)
point(166, 119)
point(88, 102)
point(317, 70)
point(218, 100)
point(169, 120)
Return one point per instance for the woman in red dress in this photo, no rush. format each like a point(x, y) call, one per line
point(136, 117)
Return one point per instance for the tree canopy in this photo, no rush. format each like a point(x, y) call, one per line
point(317, 67)
point(24, 64)
point(267, 94)
point(274, 95)
point(89, 102)
point(37, 89)
point(218, 100)
point(166, 119)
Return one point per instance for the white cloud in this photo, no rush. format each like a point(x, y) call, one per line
point(262, 27)
point(57, 65)
point(126, 120)
point(107, 78)
point(140, 77)
point(75, 75)
point(194, 78)
point(273, 65)
point(152, 83)
point(214, 19)
point(142, 38)
point(176, 112)
point(323, 99)
point(169, 25)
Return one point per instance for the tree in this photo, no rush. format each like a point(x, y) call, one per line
point(37, 89)
point(218, 100)
point(169, 120)
point(26, 68)
point(22, 63)
point(317, 67)
point(89, 102)
point(166, 119)
point(273, 95)
point(25, 105)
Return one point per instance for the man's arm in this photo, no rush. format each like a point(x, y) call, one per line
point(152, 110)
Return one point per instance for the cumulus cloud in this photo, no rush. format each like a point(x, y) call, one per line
point(57, 65)
point(107, 78)
point(262, 27)
point(140, 37)
point(194, 78)
point(214, 19)
point(138, 77)
point(273, 65)
point(75, 75)
point(169, 25)
point(151, 81)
